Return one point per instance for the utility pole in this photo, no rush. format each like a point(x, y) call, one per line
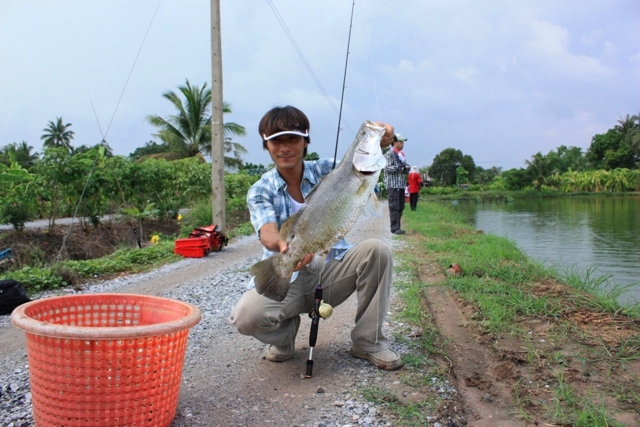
point(217, 124)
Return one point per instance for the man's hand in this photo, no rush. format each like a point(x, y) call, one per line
point(271, 240)
point(389, 134)
point(306, 260)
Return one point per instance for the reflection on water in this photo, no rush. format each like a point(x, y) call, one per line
point(600, 232)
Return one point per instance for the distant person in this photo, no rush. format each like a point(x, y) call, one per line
point(414, 187)
point(395, 178)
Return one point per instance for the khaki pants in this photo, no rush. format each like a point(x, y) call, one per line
point(366, 268)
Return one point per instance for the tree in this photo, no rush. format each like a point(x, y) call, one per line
point(485, 176)
point(444, 166)
point(57, 135)
point(188, 133)
point(150, 147)
point(21, 152)
point(539, 169)
point(610, 151)
point(629, 127)
point(108, 152)
point(253, 169)
point(462, 176)
point(515, 179)
point(566, 158)
point(17, 195)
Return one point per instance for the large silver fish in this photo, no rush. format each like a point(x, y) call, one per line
point(331, 209)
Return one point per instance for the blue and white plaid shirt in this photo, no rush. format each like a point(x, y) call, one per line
point(269, 201)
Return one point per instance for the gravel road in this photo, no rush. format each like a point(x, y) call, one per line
point(225, 381)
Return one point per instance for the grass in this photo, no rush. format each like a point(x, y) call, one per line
point(506, 287)
point(407, 413)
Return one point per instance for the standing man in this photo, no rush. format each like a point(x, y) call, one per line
point(365, 268)
point(395, 178)
point(414, 187)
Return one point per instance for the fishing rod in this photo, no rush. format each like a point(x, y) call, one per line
point(320, 308)
point(344, 83)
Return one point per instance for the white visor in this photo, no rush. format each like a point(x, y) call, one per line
point(286, 132)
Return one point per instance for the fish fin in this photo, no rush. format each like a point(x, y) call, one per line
point(372, 207)
point(267, 281)
point(317, 264)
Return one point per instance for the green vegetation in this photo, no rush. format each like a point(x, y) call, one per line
point(507, 293)
point(612, 163)
point(37, 279)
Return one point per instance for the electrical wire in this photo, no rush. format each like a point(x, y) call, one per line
point(103, 142)
point(304, 60)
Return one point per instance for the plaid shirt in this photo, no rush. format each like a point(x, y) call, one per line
point(395, 174)
point(269, 201)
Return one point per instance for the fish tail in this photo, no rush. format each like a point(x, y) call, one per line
point(268, 282)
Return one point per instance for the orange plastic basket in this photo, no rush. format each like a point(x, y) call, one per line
point(105, 359)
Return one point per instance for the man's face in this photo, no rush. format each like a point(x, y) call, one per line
point(287, 151)
point(398, 145)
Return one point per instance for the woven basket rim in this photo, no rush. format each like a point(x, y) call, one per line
point(22, 321)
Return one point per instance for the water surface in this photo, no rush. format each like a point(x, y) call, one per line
point(571, 232)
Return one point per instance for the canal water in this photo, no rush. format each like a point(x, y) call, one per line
point(571, 233)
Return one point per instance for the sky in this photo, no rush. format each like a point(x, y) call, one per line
point(499, 80)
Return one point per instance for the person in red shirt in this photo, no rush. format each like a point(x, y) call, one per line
point(414, 187)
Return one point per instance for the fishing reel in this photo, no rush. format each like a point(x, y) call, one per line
point(324, 311)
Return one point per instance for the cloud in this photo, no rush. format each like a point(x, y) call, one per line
point(549, 52)
point(464, 73)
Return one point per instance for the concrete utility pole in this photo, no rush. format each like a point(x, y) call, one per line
point(217, 124)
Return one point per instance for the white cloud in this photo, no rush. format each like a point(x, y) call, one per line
point(549, 51)
point(464, 73)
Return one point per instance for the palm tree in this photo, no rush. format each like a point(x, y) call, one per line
point(188, 133)
point(57, 135)
point(629, 127)
point(539, 168)
point(22, 154)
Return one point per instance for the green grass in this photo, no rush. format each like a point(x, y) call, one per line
point(505, 287)
point(408, 413)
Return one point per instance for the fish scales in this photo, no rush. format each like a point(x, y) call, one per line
point(330, 210)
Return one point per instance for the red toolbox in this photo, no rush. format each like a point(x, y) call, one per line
point(191, 251)
point(216, 238)
point(192, 247)
point(200, 242)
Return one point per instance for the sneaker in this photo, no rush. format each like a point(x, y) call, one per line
point(398, 231)
point(279, 354)
point(386, 359)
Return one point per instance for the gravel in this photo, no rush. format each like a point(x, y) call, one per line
point(328, 408)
